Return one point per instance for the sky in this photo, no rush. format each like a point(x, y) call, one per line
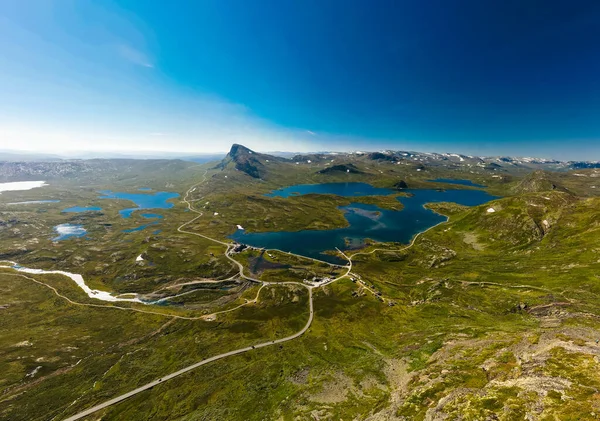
point(509, 77)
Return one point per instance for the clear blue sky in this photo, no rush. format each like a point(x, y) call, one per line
point(517, 77)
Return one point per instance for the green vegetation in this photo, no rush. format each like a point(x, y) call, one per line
point(491, 315)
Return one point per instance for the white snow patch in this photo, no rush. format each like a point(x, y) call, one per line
point(68, 229)
point(216, 214)
point(21, 185)
point(34, 372)
point(139, 258)
point(33, 202)
point(491, 210)
point(240, 227)
point(92, 293)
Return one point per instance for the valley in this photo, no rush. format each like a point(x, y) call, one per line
point(485, 313)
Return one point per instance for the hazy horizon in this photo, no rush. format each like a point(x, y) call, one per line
point(458, 77)
point(82, 154)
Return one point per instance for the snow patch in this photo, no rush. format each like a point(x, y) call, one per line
point(139, 258)
point(78, 279)
point(240, 227)
point(33, 202)
point(65, 231)
point(34, 372)
point(21, 185)
point(491, 210)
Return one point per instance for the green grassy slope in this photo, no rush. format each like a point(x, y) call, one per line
point(492, 315)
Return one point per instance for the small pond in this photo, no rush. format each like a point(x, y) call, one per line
point(78, 209)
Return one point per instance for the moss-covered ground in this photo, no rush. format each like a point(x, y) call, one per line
point(488, 316)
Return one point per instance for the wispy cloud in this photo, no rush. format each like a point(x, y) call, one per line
point(134, 56)
point(311, 133)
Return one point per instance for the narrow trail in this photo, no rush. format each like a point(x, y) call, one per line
point(229, 246)
point(227, 253)
point(196, 365)
point(106, 306)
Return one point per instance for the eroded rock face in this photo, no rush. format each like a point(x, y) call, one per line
point(243, 160)
point(247, 161)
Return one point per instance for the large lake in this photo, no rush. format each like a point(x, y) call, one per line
point(455, 181)
point(366, 221)
point(158, 200)
point(339, 189)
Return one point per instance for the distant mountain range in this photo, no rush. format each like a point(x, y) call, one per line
point(255, 163)
point(243, 158)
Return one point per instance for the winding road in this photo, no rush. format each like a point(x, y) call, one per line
point(229, 247)
point(194, 366)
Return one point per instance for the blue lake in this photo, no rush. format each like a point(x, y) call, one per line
point(365, 221)
point(77, 209)
point(66, 231)
point(339, 189)
point(158, 200)
point(141, 227)
point(457, 181)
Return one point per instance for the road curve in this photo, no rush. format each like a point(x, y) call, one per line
point(229, 246)
point(196, 365)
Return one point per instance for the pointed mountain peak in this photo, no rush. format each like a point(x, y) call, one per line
point(237, 150)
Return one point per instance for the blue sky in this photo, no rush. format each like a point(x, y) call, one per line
point(518, 77)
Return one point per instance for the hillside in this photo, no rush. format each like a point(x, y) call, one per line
point(493, 314)
point(537, 181)
point(247, 161)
